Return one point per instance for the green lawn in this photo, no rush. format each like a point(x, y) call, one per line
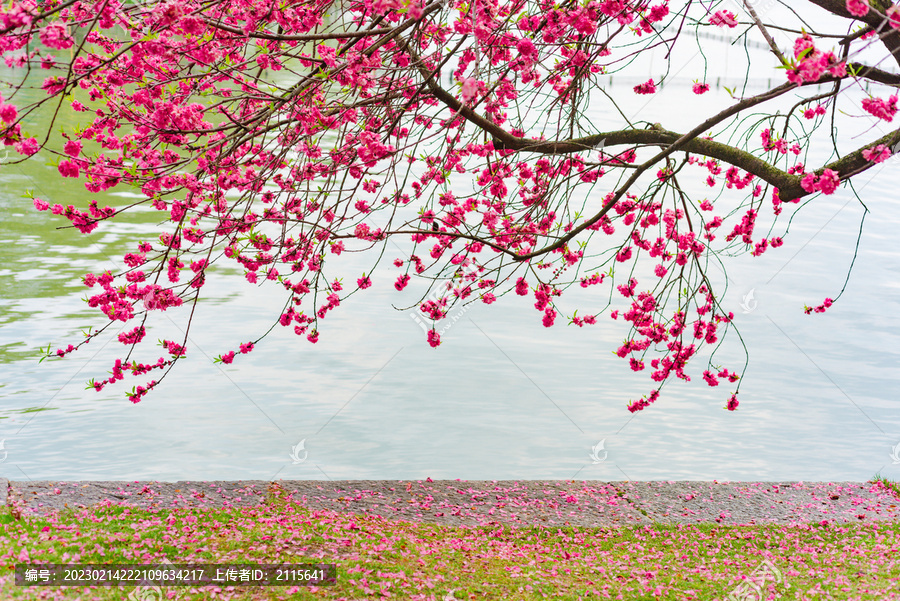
point(402, 560)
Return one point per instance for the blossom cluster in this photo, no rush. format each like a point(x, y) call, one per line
point(811, 64)
point(369, 144)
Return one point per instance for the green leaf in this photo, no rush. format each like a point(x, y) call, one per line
point(45, 354)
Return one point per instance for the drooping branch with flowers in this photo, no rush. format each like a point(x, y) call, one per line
point(280, 134)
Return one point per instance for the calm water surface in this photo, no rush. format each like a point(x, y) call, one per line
point(502, 397)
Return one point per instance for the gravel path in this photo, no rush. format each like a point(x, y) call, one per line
point(460, 502)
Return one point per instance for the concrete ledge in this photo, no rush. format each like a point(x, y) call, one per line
point(45, 496)
point(522, 503)
point(763, 502)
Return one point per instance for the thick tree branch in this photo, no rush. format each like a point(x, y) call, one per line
point(874, 74)
point(889, 37)
point(787, 184)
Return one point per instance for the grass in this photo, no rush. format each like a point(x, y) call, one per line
point(894, 486)
point(402, 560)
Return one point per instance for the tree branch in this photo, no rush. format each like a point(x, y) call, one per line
point(874, 74)
point(765, 32)
point(308, 37)
point(889, 37)
point(788, 185)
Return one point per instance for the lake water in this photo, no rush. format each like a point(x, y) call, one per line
point(501, 398)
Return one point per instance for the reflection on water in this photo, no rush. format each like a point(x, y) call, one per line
point(503, 397)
